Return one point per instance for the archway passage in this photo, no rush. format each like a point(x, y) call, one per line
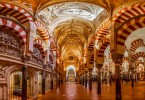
point(71, 74)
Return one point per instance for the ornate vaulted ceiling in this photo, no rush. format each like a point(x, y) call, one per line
point(72, 22)
point(38, 5)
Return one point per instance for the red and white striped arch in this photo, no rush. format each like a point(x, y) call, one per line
point(52, 44)
point(129, 12)
point(39, 44)
point(91, 59)
point(91, 43)
point(19, 13)
point(103, 46)
point(42, 29)
point(14, 27)
point(138, 62)
point(103, 30)
point(137, 55)
point(51, 58)
point(127, 29)
point(135, 44)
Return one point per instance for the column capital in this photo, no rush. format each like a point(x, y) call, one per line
point(90, 69)
point(99, 66)
point(117, 58)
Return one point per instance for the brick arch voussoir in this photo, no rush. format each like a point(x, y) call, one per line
point(23, 15)
point(137, 55)
point(129, 12)
point(38, 42)
point(103, 30)
point(105, 43)
point(135, 44)
point(125, 30)
point(42, 29)
point(19, 31)
point(91, 58)
point(90, 46)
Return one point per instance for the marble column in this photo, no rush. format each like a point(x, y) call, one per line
point(83, 80)
point(86, 81)
point(90, 79)
point(133, 77)
point(24, 83)
point(80, 82)
point(78, 78)
point(43, 79)
point(59, 80)
point(117, 58)
point(51, 83)
point(99, 82)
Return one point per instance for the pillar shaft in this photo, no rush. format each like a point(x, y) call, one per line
point(24, 83)
point(118, 61)
point(99, 82)
point(51, 83)
point(43, 82)
point(118, 83)
point(78, 79)
point(90, 79)
point(59, 80)
point(83, 80)
point(86, 79)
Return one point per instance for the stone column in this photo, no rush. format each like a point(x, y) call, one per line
point(43, 79)
point(78, 78)
point(85, 79)
point(59, 80)
point(24, 83)
point(5, 92)
point(25, 59)
point(133, 77)
point(118, 62)
point(90, 79)
point(51, 82)
point(1, 92)
point(80, 82)
point(99, 80)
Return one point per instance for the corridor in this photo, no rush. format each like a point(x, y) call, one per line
point(73, 91)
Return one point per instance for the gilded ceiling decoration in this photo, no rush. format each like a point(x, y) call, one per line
point(72, 23)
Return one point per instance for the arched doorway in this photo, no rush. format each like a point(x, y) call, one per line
point(39, 83)
point(16, 85)
point(71, 74)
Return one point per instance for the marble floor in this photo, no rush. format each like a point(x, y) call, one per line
point(73, 91)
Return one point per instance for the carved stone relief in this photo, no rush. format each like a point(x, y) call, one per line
point(9, 44)
point(37, 56)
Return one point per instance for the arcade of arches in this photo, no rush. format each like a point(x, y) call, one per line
point(48, 43)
